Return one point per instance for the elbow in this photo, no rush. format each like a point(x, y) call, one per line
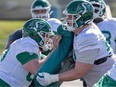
point(78, 74)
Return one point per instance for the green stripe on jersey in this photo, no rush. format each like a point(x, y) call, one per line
point(105, 81)
point(25, 57)
point(4, 84)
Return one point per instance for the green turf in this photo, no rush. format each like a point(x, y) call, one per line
point(6, 28)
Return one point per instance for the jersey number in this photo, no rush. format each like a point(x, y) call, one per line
point(107, 34)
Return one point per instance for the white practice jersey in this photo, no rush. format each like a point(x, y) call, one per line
point(108, 28)
point(11, 66)
point(92, 38)
point(54, 23)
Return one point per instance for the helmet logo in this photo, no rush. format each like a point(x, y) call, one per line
point(37, 25)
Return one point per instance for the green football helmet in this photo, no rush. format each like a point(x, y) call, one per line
point(39, 30)
point(41, 9)
point(100, 8)
point(81, 12)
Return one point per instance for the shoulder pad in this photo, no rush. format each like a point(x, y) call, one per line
point(89, 39)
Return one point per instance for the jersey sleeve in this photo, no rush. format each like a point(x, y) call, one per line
point(87, 56)
point(86, 42)
point(26, 53)
point(86, 49)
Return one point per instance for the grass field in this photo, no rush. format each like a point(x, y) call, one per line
point(6, 28)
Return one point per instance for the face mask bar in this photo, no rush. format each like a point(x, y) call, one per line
point(40, 12)
point(98, 11)
point(47, 39)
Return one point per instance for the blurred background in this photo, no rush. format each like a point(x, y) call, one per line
point(20, 9)
point(13, 14)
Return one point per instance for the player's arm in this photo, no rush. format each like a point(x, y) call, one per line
point(83, 64)
point(85, 58)
point(32, 66)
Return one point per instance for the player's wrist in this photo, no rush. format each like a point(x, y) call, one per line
point(55, 77)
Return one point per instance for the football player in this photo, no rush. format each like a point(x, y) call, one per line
point(91, 51)
point(20, 62)
point(39, 9)
point(106, 24)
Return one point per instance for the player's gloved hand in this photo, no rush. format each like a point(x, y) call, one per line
point(46, 79)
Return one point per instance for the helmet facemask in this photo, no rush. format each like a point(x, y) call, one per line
point(71, 21)
point(80, 17)
point(47, 39)
point(99, 9)
point(40, 12)
point(40, 31)
point(41, 9)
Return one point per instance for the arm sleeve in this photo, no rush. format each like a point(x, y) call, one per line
point(26, 53)
point(25, 57)
point(87, 56)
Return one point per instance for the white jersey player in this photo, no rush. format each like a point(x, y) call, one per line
point(91, 51)
point(41, 9)
point(19, 62)
point(108, 28)
point(106, 25)
point(13, 66)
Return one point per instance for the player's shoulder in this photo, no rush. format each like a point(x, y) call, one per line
point(54, 20)
point(26, 43)
point(87, 40)
point(16, 35)
point(110, 20)
point(88, 37)
point(18, 31)
point(109, 23)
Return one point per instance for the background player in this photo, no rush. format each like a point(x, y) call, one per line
point(106, 24)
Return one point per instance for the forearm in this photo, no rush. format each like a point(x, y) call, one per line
point(76, 73)
point(70, 75)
